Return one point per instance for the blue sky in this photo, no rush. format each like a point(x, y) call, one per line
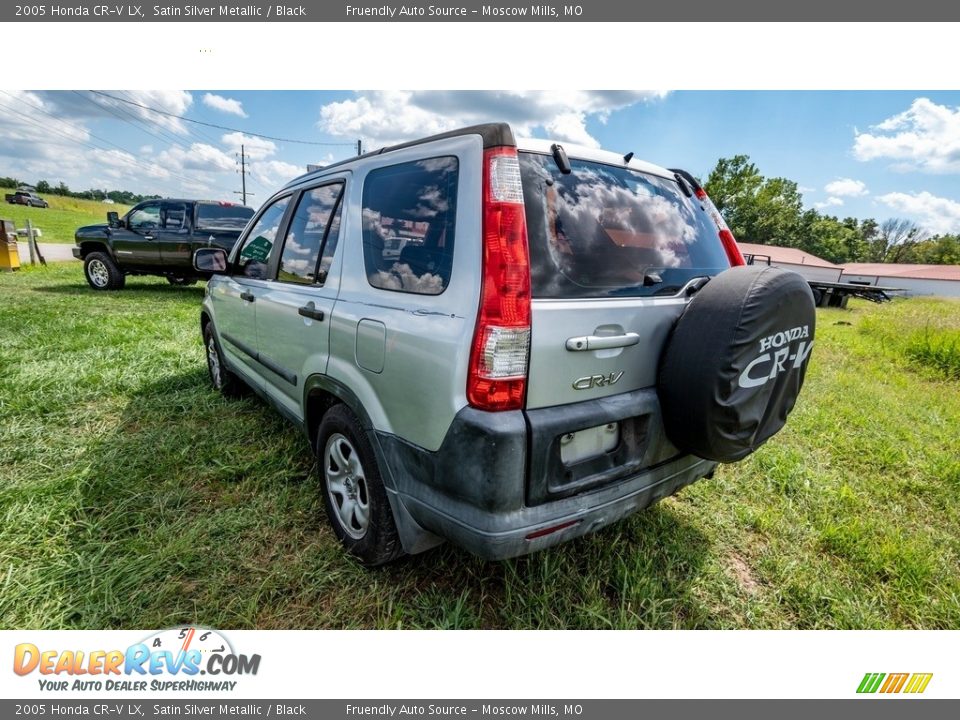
point(865, 154)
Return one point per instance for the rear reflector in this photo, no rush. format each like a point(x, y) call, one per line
point(550, 530)
point(497, 376)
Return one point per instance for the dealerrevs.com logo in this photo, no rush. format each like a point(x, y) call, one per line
point(169, 660)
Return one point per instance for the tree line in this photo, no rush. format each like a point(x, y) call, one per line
point(124, 197)
point(769, 211)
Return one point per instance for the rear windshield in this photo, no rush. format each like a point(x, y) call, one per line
point(224, 217)
point(606, 231)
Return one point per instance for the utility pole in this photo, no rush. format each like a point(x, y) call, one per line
point(243, 175)
point(359, 147)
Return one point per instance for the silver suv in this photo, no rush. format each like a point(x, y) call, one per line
point(504, 343)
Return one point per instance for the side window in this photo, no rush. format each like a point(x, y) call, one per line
point(409, 219)
point(330, 245)
point(254, 257)
point(146, 217)
point(174, 217)
point(301, 248)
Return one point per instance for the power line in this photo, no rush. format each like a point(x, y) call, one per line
point(132, 160)
point(221, 127)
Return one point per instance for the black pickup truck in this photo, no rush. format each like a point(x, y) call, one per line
point(157, 237)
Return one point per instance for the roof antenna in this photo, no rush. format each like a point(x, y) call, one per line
point(627, 158)
point(560, 158)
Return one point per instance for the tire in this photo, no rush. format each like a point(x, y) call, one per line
point(353, 493)
point(224, 381)
point(181, 281)
point(735, 362)
point(102, 273)
point(817, 296)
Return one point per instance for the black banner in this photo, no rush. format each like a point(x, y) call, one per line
point(472, 11)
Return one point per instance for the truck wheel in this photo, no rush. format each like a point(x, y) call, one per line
point(735, 362)
point(102, 273)
point(228, 384)
point(181, 281)
point(353, 493)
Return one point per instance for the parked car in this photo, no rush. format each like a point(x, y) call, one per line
point(157, 237)
point(566, 345)
point(23, 197)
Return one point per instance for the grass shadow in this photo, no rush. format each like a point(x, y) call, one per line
point(157, 290)
point(198, 509)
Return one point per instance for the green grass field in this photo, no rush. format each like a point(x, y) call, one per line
point(134, 496)
point(59, 221)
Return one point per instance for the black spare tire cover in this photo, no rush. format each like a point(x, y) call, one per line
point(735, 362)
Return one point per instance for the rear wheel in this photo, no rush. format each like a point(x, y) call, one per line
point(181, 281)
point(353, 493)
point(102, 273)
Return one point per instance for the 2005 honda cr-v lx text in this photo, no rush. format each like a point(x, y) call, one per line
point(503, 343)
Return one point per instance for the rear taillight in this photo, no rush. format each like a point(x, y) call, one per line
point(730, 247)
point(497, 377)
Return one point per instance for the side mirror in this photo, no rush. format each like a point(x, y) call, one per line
point(210, 260)
point(113, 219)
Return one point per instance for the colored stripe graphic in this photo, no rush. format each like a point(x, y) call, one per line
point(918, 682)
point(870, 682)
point(894, 683)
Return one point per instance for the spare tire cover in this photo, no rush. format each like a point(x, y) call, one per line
point(735, 362)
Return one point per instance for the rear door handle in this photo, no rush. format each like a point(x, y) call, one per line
point(148, 237)
point(248, 296)
point(310, 310)
point(601, 342)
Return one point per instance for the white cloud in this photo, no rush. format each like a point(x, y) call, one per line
point(254, 148)
point(846, 187)
point(831, 201)
point(274, 173)
point(386, 117)
point(937, 214)
point(224, 105)
point(925, 137)
point(200, 156)
point(805, 189)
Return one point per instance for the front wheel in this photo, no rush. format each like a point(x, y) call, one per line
point(353, 493)
point(102, 273)
point(181, 281)
point(222, 379)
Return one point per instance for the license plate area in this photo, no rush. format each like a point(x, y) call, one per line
point(560, 465)
point(593, 442)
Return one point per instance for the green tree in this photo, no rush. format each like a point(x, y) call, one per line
point(895, 240)
point(43, 187)
point(757, 209)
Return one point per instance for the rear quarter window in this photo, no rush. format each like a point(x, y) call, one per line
point(608, 231)
point(409, 225)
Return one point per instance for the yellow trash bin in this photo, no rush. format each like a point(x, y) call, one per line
point(9, 256)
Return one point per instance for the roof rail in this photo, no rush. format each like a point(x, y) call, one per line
point(493, 135)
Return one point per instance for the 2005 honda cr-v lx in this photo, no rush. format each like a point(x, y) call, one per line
point(503, 343)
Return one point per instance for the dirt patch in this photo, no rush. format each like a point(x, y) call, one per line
point(743, 574)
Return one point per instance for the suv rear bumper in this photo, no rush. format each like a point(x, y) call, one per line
point(474, 489)
point(496, 537)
